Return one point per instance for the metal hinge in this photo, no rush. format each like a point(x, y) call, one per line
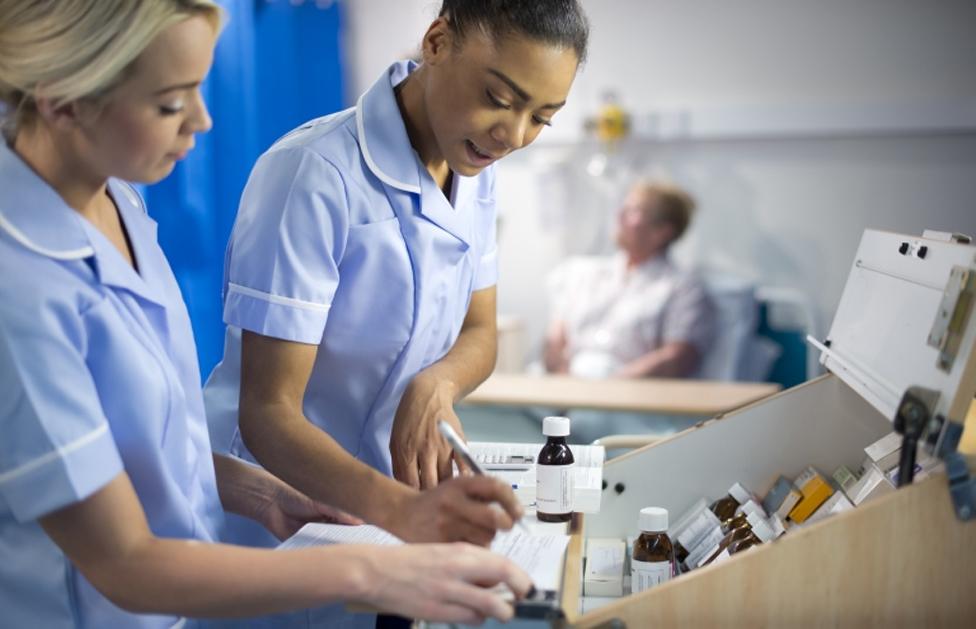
point(951, 317)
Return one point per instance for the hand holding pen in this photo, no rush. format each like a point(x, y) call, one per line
point(462, 452)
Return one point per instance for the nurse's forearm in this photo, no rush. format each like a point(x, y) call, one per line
point(107, 537)
point(215, 580)
point(244, 489)
point(274, 377)
point(308, 459)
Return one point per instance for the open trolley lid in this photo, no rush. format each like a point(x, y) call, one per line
point(907, 319)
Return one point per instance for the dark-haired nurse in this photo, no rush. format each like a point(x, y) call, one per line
point(360, 276)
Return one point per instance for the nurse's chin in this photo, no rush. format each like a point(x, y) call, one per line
point(154, 175)
point(468, 170)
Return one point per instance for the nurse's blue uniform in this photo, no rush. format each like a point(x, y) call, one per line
point(343, 240)
point(98, 374)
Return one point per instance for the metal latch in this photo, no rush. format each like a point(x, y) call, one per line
point(917, 420)
point(950, 319)
point(914, 420)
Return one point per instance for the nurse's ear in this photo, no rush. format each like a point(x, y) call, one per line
point(66, 116)
point(438, 42)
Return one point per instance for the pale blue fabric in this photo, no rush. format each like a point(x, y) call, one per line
point(343, 240)
point(98, 374)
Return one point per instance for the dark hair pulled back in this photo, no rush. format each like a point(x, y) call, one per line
point(555, 22)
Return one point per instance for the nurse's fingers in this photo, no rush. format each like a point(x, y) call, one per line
point(470, 531)
point(405, 470)
point(486, 569)
point(333, 515)
point(477, 603)
point(475, 520)
point(427, 460)
point(443, 582)
point(445, 467)
point(490, 489)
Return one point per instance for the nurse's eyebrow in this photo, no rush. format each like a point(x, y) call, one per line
point(181, 86)
point(521, 93)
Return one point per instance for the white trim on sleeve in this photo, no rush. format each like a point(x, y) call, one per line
point(276, 299)
point(58, 453)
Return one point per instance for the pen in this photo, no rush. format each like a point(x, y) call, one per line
point(462, 451)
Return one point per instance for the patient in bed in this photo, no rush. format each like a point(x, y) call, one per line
point(634, 314)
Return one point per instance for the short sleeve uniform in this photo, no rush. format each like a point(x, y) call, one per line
point(343, 240)
point(98, 375)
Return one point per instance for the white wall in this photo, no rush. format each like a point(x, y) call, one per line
point(379, 32)
point(773, 109)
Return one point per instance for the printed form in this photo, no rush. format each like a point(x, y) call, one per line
point(539, 555)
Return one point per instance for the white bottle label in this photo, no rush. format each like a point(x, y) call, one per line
point(554, 488)
point(722, 556)
point(646, 574)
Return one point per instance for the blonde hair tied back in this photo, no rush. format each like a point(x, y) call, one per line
point(68, 50)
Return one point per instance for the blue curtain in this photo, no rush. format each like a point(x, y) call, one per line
point(277, 64)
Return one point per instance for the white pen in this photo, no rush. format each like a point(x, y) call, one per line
point(462, 451)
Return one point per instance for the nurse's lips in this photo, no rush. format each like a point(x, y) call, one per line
point(478, 155)
point(179, 155)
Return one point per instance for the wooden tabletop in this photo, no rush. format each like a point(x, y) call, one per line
point(651, 395)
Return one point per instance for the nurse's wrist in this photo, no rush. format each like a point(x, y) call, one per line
point(395, 501)
point(441, 383)
point(358, 570)
point(244, 489)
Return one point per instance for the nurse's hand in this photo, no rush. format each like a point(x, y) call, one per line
point(421, 457)
point(254, 493)
point(289, 510)
point(442, 582)
point(464, 509)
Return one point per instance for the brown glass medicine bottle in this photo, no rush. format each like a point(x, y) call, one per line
point(739, 529)
point(760, 533)
point(725, 508)
point(652, 561)
point(554, 473)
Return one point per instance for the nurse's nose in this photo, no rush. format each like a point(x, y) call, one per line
point(513, 132)
point(199, 120)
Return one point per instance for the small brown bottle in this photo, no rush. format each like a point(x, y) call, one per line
point(726, 507)
point(739, 529)
point(554, 473)
point(653, 559)
point(746, 542)
point(760, 533)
